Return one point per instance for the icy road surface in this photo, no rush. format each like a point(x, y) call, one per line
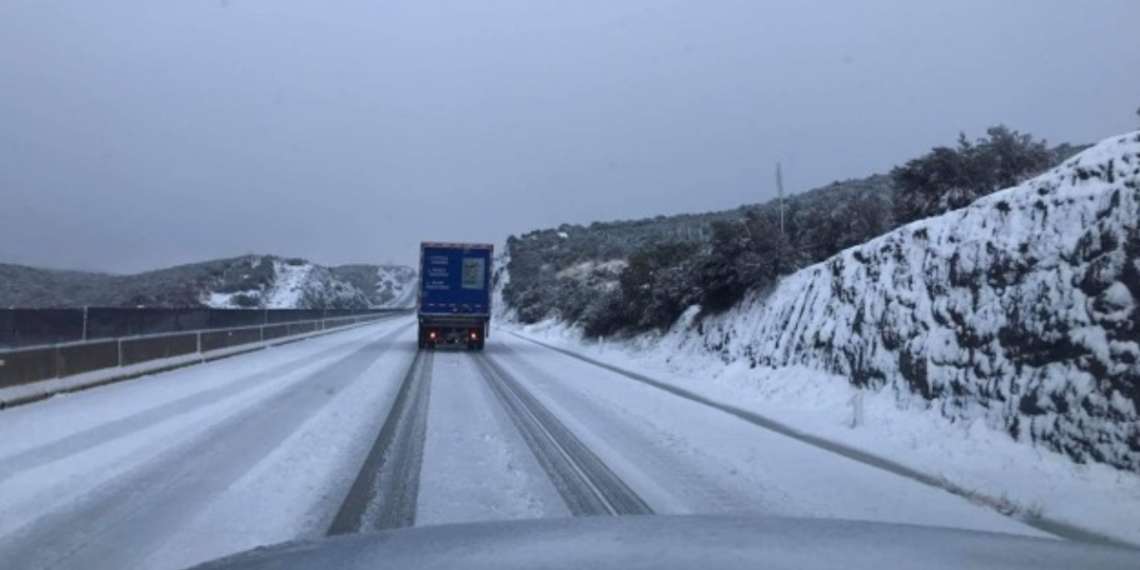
point(297, 442)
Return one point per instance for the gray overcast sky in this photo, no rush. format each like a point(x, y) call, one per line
point(136, 134)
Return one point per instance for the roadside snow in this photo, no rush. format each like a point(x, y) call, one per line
point(969, 454)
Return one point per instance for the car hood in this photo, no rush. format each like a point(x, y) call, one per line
point(662, 542)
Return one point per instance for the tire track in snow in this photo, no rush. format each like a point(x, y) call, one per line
point(383, 496)
point(1055, 527)
point(585, 483)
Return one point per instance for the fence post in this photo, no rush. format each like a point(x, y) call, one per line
point(856, 403)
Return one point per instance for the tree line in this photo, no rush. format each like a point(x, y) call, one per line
point(661, 266)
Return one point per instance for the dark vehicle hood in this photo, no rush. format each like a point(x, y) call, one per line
point(662, 542)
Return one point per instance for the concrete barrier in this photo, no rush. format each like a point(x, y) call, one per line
point(21, 367)
point(136, 350)
point(79, 358)
point(275, 331)
point(214, 340)
point(32, 365)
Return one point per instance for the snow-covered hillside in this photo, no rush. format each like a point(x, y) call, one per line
point(396, 286)
point(289, 284)
point(1020, 309)
point(249, 281)
point(385, 286)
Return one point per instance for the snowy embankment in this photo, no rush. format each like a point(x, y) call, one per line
point(1019, 310)
point(995, 346)
point(992, 469)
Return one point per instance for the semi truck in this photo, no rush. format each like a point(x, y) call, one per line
point(454, 294)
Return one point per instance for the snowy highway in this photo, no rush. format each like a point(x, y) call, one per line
point(358, 430)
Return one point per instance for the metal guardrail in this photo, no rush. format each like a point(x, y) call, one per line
point(27, 328)
point(25, 365)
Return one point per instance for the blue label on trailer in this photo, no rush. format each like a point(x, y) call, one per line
point(455, 279)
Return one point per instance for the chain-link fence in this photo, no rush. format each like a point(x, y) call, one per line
point(43, 327)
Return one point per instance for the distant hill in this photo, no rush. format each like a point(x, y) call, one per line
point(251, 281)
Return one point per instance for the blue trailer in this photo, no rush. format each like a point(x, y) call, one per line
point(455, 294)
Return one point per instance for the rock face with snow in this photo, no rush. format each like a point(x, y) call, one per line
point(1021, 309)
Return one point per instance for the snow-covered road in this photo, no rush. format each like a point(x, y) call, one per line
point(186, 466)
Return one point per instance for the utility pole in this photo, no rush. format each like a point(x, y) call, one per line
point(780, 193)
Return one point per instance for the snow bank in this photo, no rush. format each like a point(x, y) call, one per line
point(1019, 310)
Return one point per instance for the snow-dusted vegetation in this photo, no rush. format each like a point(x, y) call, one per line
point(640, 275)
point(1020, 309)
